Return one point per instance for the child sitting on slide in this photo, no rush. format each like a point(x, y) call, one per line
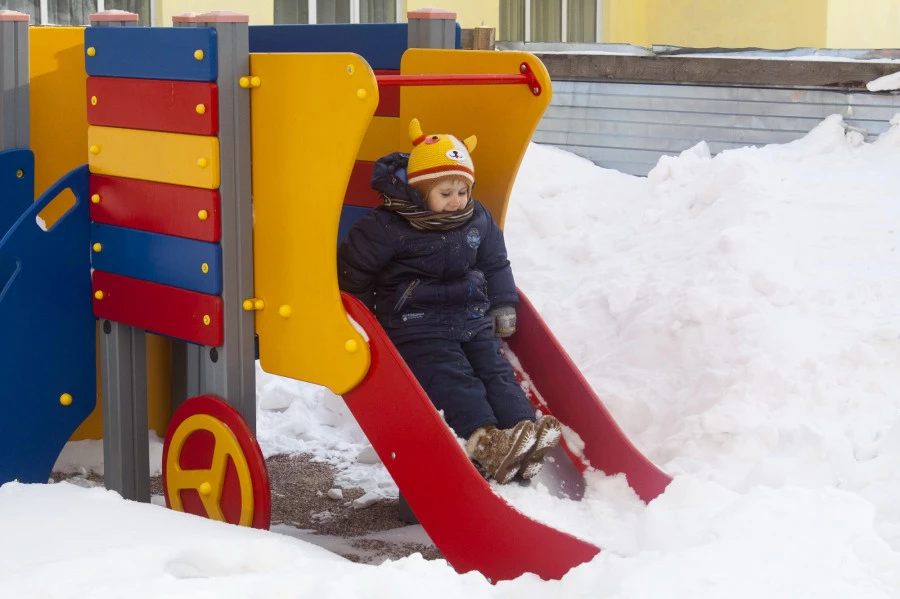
point(431, 264)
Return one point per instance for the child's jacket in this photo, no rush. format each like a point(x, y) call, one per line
point(424, 284)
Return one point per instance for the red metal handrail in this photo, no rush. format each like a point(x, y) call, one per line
point(526, 76)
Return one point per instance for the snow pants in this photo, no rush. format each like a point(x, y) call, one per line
point(470, 381)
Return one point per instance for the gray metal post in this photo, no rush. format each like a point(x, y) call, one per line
point(123, 358)
point(14, 111)
point(229, 371)
point(126, 453)
point(431, 28)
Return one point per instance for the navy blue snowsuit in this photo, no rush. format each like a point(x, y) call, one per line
point(431, 291)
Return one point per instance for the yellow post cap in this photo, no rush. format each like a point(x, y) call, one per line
point(206, 319)
point(200, 108)
point(284, 311)
point(247, 305)
point(205, 488)
point(351, 346)
point(95, 198)
point(65, 399)
point(92, 51)
point(93, 100)
point(204, 268)
point(98, 294)
point(203, 215)
point(97, 247)
point(94, 149)
point(255, 81)
point(259, 304)
point(202, 162)
point(198, 54)
point(244, 82)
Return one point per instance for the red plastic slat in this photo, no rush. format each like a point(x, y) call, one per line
point(388, 96)
point(156, 207)
point(359, 188)
point(153, 104)
point(161, 309)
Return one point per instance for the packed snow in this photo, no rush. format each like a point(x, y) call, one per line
point(739, 316)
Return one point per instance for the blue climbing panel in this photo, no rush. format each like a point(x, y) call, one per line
point(48, 342)
point(381, 44)
point(173, 261)
point(179, 53)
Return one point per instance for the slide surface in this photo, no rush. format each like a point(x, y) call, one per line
point(473, 527)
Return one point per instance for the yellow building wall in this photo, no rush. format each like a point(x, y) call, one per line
point(625, 22)
point(261, 12)
point(869, 24)
point(469, 13)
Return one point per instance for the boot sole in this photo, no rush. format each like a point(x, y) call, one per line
point(525, 440)
point(547, 438)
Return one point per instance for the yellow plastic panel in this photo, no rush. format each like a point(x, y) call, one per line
point(309, 115)
point(176, 158)
point(503, 117)
point(386, 134)
point(58, 120)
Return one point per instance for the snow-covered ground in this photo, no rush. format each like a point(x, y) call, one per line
point(740, 317)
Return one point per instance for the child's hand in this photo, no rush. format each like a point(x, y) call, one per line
point(504, 320)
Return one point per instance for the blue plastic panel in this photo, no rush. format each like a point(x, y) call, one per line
point(349, 216)
point(173, 261)
point(381, 44)
point(18, 191)
point(48, 340)
point(151, 53)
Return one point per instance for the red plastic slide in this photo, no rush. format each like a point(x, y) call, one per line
point(473, 527)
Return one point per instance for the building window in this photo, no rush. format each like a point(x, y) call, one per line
point(76, 12)
point(550, 20)
point(337, 11)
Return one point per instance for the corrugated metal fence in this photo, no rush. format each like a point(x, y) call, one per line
point(628, 126)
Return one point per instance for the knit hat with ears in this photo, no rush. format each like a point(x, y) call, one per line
point(436, 156)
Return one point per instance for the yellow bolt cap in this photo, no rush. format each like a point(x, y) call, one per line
point(351, 346)
point(203, 215)
point(95, 198)
point(94, 149)
point(255, 81)
point(198, 54)
point(98, 294)
point(93, 100)
point(202, 162)
point(284, 311)
point(247, 305)
point(92, 51)
point(97, 247)
point(65, 399)
point(206, 319)
point(244, 82)
point(259, 304)
point(205, 488)
point(200, 108)
point(204, 268)
point(361, 94)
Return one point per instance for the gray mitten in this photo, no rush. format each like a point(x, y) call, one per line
point(504, 320)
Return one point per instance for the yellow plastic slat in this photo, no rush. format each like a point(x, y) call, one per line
point(309, 116)
point(176, 158)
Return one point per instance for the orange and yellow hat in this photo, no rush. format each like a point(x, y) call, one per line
point(436, 156)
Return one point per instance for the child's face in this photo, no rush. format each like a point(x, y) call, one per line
point(448, 196)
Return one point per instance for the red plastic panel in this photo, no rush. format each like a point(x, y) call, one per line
point(359, 188)
point(388, 96)
point(473, 527)
point(153, 104)
point(156, 207)
point(169, 311)
point(570, 398)
point(198, 454)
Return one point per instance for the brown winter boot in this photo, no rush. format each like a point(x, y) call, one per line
point(548, 432)
point(500, 452)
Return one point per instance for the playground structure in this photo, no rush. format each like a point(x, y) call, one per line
point(162, 213)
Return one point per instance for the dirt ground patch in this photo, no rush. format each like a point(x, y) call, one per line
point(303, 508)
